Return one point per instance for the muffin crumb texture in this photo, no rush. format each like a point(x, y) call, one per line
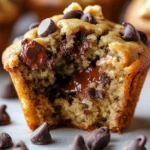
point(79, 72)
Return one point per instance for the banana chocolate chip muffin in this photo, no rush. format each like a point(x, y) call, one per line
point(79, 69)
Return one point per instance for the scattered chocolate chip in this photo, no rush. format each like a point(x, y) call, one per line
point(130, 33)
point(143, 37)
point(73, 14)
point(41, 135)
point(98, 139)
point(78, 144)
point(17, 39)
point(136, 144)
point(46, 27)
point(20, 146)
point(95, 94)
point(88, 18)
point(34, 55)
point(34, 25)
point(8, 91)
point(4, 117)
point(5, 140)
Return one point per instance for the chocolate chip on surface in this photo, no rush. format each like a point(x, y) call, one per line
point(34, 25)
point(73, 14)
point(46, 27)
point(34, 55)
point(88, 18)
point(4, 117)
point(130, 33)
point(5, 140)
point(41, 135)
point(78, 144)
point(98, 139)
point(136, 144)
point(20, 146)
point(8, 91)
point(143, 37)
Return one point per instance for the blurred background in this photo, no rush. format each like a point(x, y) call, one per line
point(17, 15)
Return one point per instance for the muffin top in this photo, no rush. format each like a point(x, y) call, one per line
point(60, 33)
point(9, 10)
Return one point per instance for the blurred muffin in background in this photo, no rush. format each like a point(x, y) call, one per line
point(138, 13)
point(10, 10)
point(47, 8)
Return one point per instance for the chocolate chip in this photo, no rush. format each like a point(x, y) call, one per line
point(73, 14)
point(98, 139)
point(8, 91)
point(130, 33)
point(136, 144)
point(41, 135)
point(104, 80)
point(5, 140)
point(88, 18)
point(143, 37)
point(46, 27)
point(20, 146)
point(95, 94)
point(78, 144)
point(34, 55)
point(4, 117)
point(34, 25)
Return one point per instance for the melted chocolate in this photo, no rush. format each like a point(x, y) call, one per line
point(80, 82)
point(33, 55)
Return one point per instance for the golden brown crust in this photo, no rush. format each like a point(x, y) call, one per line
point(35, 116)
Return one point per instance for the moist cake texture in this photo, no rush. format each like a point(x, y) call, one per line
point(79, 69)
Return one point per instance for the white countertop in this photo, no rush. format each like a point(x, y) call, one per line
point(62, 137)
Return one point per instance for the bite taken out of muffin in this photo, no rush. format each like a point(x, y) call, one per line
point(79, 69)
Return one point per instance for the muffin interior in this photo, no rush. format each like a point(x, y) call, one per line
point(78, 78)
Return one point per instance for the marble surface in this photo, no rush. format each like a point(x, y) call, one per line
point(62, 137)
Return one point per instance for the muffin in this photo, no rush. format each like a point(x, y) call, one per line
point(9, 12)
point(47, 8)
point(79, 69)
point(138, 13)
